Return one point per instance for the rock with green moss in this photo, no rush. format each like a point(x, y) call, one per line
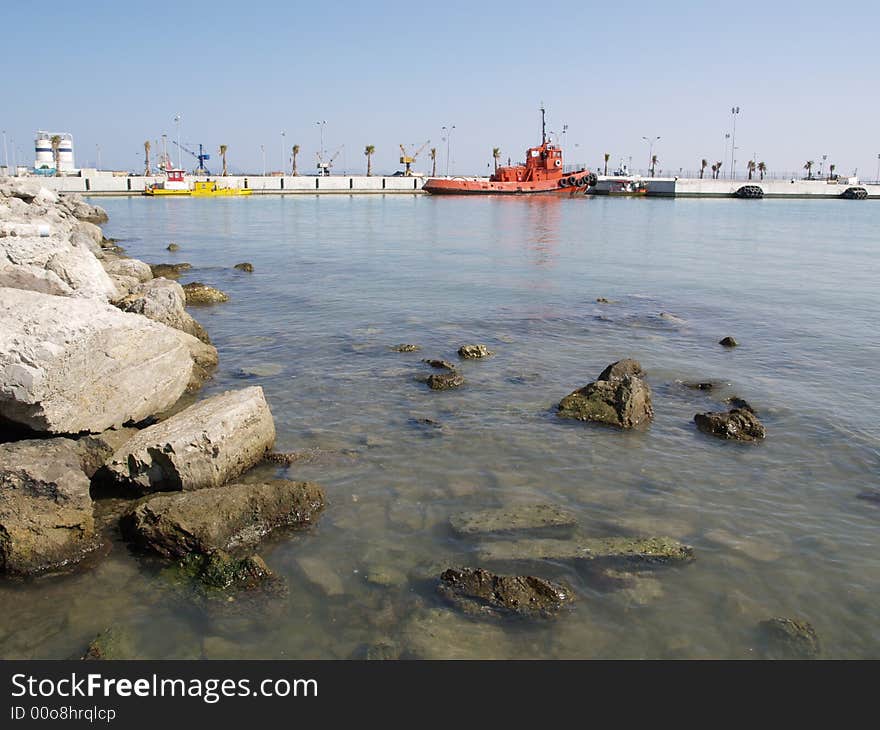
point(508, 519)
point(405, 348)
point(112, 643)
point(475, 591)
point(172, 247)
point(789, 638)
point(445, 381)
point(245, 266)
point(199, 294)
point(728, 342)
point(439, 364)
point(169, 271)
point(738, 424)
point(644, 550)
point(624, 403)
point(474, 352)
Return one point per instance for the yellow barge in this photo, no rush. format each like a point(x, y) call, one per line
point(175, 184)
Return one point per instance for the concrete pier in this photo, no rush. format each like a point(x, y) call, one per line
point(672, 187)
point(100, 183)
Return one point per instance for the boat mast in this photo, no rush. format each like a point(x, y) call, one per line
point(543, 128)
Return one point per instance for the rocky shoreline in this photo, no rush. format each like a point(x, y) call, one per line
point(99, 361)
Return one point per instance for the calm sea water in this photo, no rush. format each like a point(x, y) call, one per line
point(777, 527)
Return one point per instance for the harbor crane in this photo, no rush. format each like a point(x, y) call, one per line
point(324, 166)
point(201, 157)
point(407, 160)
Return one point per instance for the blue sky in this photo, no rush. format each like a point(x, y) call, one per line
point(804, 74)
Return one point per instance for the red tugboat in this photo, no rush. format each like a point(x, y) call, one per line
point(541, 173)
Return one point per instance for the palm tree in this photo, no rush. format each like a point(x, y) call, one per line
point(751, 168)
point(295, 151)
point(368, 151)
point(762, 168)
point(147, 147)
point(831, 169)
point(703, 164)
point(56, 153)
point(717, 170)
point(714, 170)
point(654, 162)
point(496, 155)
point(433, 162)
point(607, 157)
point(808, 166)
point(223, 149)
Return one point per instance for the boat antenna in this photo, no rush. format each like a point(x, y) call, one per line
point(543, 128)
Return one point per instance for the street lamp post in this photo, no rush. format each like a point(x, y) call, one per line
point(179, 148)
point(448, 132)
point(282, 152)
point(650, 141)
point(263, 154)
point(321, 150)
point(5, 153)
point(877, 179)
point(97, 157)
point(822, 166)
point(734, 112)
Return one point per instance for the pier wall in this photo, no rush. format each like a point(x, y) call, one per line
point(100, 184)
point(706, 188)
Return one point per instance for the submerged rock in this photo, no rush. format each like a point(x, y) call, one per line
point(728, 342)
point(227, 517)
point(477, 591)
point(245, 266)
point(46, 519)
point(789, 638)
point(617, 370)
point(169, 271)
point(445, 381)
point(624, 403)
point(218, 570)
point(741, 403)
point(474, 352)
point(624, 549)
point(440, 364)
point(405, 348)
point(521, 517)
point(71, 365)
point(111, 644)
point(870, 495)
point(204, 445)
point(737, 424)
point(172, 247)
point(198, 293)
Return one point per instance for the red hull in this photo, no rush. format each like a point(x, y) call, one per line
point(485, 186)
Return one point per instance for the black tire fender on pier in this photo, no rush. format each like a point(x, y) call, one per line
point(854, 193)
point(750, 191)
point(592, 179)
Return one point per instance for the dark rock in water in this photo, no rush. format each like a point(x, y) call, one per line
point(473, 352)
point(728, 342)
point(444, 381)
point(616, 370)
point(405, 348)
point(522, 517)
point(440, 364)
point(870, 495)
point(701, 386)
point(737, 424)
point(426, 422)
point(112, 643)
point(624, 403)
point(383, 651)
point(309, 456)
point(175, 525)
point(46, 518)
point(96, 449)
point(172, 247)
point(198, 293)
point(649, 550)
point(789, 638)
point(245, 266)
point(477, 591)
point(603, 300)
point(741, 403)
point(169, 271)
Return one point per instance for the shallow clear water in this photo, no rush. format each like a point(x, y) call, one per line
point(776, 527)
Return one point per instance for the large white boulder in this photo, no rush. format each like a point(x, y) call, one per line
point(204, 445)
point(70, 365)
